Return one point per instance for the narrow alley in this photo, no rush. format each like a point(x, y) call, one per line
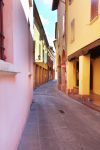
point(57, 122)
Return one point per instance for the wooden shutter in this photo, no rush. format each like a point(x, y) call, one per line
point(30, 3)
point(1, 31)
point(70, 2)
point(73, 30)
point(94, 9)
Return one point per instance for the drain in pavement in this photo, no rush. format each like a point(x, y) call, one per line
point(61, 111)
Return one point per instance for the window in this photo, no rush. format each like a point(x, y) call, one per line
point(30, 3)
point(43, 54)
point(72, 30)
point(39, 56)
point(70, 2)
point(1, 32)
point(94, 9)
point(41, 34)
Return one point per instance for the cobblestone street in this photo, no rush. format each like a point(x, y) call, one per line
point(57, 122)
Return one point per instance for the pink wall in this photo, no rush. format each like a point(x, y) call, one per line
point(15, 90)
point(8, 29)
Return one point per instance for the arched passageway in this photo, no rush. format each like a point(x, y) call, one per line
point(59, 72)
point(63, 72)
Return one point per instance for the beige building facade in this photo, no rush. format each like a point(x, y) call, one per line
point(40, 52)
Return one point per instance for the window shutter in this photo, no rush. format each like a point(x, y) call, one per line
point(94, 9)
point(2, 56)
point(73, 30)
point(70, 2)
point(30, 3)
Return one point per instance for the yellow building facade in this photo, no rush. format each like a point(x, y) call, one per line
point(40, 52)
point(83, 46)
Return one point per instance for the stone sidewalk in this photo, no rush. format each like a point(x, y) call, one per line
point(57, 122)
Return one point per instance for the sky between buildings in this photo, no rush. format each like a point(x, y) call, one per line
point(48, 18)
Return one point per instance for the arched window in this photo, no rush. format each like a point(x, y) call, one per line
point(1, 31)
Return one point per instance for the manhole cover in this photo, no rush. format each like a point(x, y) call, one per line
point(61, 111)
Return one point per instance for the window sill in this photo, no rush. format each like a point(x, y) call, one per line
point(92, 21)
point(7, 68)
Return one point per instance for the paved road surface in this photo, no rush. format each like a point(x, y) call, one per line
point(57, 122)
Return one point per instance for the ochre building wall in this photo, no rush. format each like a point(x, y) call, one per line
point(86, 31)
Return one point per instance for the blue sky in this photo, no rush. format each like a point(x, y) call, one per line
point(48, 18)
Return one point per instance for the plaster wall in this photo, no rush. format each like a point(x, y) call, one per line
point(96, 76)
point(15, 89)
point(86, 31)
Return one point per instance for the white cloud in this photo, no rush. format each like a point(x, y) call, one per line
point(45, 21)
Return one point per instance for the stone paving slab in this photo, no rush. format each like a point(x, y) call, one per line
point(57, 122)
